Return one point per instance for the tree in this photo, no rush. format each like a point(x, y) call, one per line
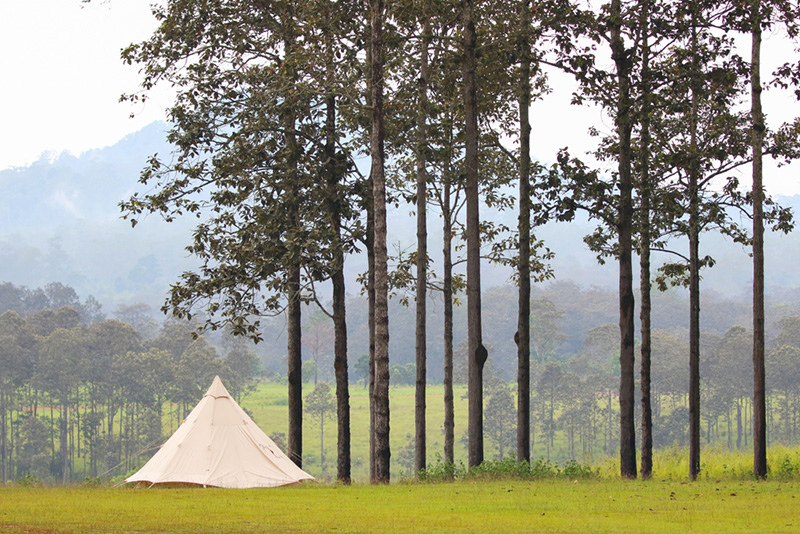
point(783, 374)
point(244, 365)
point(361, 368)
point(17, 347)
point(501, 420)
point(59, 370)
point(33, 455)
point(645, 243)
point(420, 441)
point(547, 388)
point(624, 123)
point(523, 337)
point(757, 141)
point(320, 404)
point(255, 131)
point(380, 451)
point(477, 353)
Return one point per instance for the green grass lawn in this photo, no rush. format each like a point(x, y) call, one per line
point(551, 505)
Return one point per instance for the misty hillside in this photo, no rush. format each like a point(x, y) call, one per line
point(60, 222)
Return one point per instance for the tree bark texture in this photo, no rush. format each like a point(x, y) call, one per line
point(694, 266)
point(294, 335)
point(759, 381)
point(523, 337)
point(477, 352)
point(447, 295)
point(377, 135)
point(343, 462)
point(644, 251)
point(420, 442)
point(370, 246)
point(294, 355)
point(624, 124)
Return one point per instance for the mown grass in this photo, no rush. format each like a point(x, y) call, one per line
point(495, 506)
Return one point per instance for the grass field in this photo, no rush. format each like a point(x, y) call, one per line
point(270, 411)
point(725, 499)
point(551, 505)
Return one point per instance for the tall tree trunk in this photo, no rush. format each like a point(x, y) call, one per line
point(644, 251)
point(420, 442)
point(294, 347)
point(694, 267)
point(624, 124)
point(334, 171)
point(759, 386)
point(369, 208)
point(381, 388)
point(339, 297)
point(295, 377)
point(477, 352)
point(447, 295)
point(370, 246)
point(523, 337)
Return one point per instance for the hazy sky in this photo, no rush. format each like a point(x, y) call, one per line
point(62, 77)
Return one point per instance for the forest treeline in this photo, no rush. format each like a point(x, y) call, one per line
point(107, 392)
point(85, 396)
point(280, 108)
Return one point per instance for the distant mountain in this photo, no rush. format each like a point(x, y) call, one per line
point(60, 221)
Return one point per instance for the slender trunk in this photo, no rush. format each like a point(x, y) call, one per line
point(523, 337)
point(381, 389)
point(644, 252)
point(343, 462)
point(420, 460)
point(322, 441)
point(694, 267)
point(3, 435)
point(477, 352)
point(738, 425)
point(334, 206)
point(294, 349)
point(610, 418)
point(370, 246)
point(624, 123)
point(759, 381)
point(63, 444)
point(730, 430)
point(295, 376)
point(449, 408)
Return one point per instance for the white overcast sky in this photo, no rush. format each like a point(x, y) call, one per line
point(62, 77)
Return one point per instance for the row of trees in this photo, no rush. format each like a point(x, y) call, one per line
point(101, 395)
point(86, 400)
point(279, 105)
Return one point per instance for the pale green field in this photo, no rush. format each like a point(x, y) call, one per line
point(269, 408)
point(546, 506)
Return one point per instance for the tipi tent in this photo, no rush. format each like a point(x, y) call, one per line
point(219, 445)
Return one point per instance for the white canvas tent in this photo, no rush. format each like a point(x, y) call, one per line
point(219, 445)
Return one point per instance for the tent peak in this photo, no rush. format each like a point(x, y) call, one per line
point(217, 390)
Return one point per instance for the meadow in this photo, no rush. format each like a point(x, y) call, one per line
point(269, 408)
point(554, 505)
